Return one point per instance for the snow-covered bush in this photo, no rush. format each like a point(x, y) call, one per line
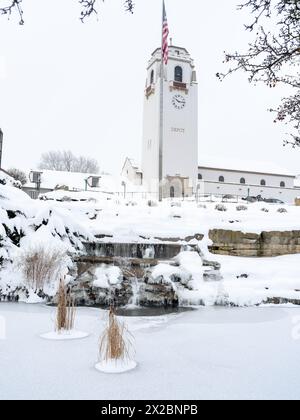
point(282, 210)
point(241, 208)
point(176, 204)
point(6, 179)
point(220, 207)
point(152, 203)
point(202, 206)
point(265, 210)
point(41, 266)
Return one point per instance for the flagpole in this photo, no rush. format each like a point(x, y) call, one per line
point(161, 115)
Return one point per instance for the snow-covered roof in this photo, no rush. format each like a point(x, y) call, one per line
point(134, 165)
point(76, 181)
point(251, 166)
point(297, 182)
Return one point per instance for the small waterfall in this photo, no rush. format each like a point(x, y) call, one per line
point(134, 301)
point(160, 251)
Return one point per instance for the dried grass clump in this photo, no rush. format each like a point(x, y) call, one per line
point(40, 266)
point(66, 310)
point(116, 343)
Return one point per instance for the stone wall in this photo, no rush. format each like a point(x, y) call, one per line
point(265, 244)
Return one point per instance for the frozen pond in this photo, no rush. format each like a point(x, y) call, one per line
point(209, 353)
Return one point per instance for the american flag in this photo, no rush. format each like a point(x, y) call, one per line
point(165, 35)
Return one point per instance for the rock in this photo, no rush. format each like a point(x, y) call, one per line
point(158, 295)
point(282, 301)
point(212, 275)
point(215, 264)
point(265, 244)
point(197, 236)
point(86, 293)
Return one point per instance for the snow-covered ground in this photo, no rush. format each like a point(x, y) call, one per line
point(210, 353)
point(68, 224)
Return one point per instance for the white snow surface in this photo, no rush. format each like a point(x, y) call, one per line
point(64, 335)
point(243, 165)
point(210, 353)
point(116, 366)
point(107, 276)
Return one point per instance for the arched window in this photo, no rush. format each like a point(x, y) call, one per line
point(178, 74)
point(282, 184)
point(200, 176)
point(242, 181)
point(221, 179)
point(263, 183)
point(152, 77)
point(172, 192)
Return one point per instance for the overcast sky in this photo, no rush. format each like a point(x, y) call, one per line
point(68, 85)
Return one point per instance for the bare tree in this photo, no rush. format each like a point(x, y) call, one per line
point(67, 161)
point(88, 8)
point(273, 57)
point(18, 175)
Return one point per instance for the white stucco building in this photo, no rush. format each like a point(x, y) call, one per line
point(246, 178)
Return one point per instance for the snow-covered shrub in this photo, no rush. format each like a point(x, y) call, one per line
point(152, 203)
point(241, 208)
point(41, 266)
point(265, 210)
point(131, 204)
point(175, 204)
point(6, 179)
point(220, 207)
point(202, 206)
point(282, 210)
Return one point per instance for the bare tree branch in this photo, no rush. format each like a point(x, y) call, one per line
point(14, 5)
point(67, 161)
point(273, 53)
point(89, 8)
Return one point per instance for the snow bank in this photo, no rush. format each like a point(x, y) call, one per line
point(107, 276)
point(27, 225)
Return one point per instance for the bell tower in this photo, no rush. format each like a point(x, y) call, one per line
point(180, 124)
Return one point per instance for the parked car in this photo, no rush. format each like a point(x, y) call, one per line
point(273, 201)
point(253, 199)
point(229, 198)
point(250, 199)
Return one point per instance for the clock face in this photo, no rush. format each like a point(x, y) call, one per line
point(178, 101)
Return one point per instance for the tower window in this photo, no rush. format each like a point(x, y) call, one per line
point(242, 181)
point(200, 177)
point(263, 183)
point(178, 74)
point(282, 184)
point(152, 77)
point(221, 179)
